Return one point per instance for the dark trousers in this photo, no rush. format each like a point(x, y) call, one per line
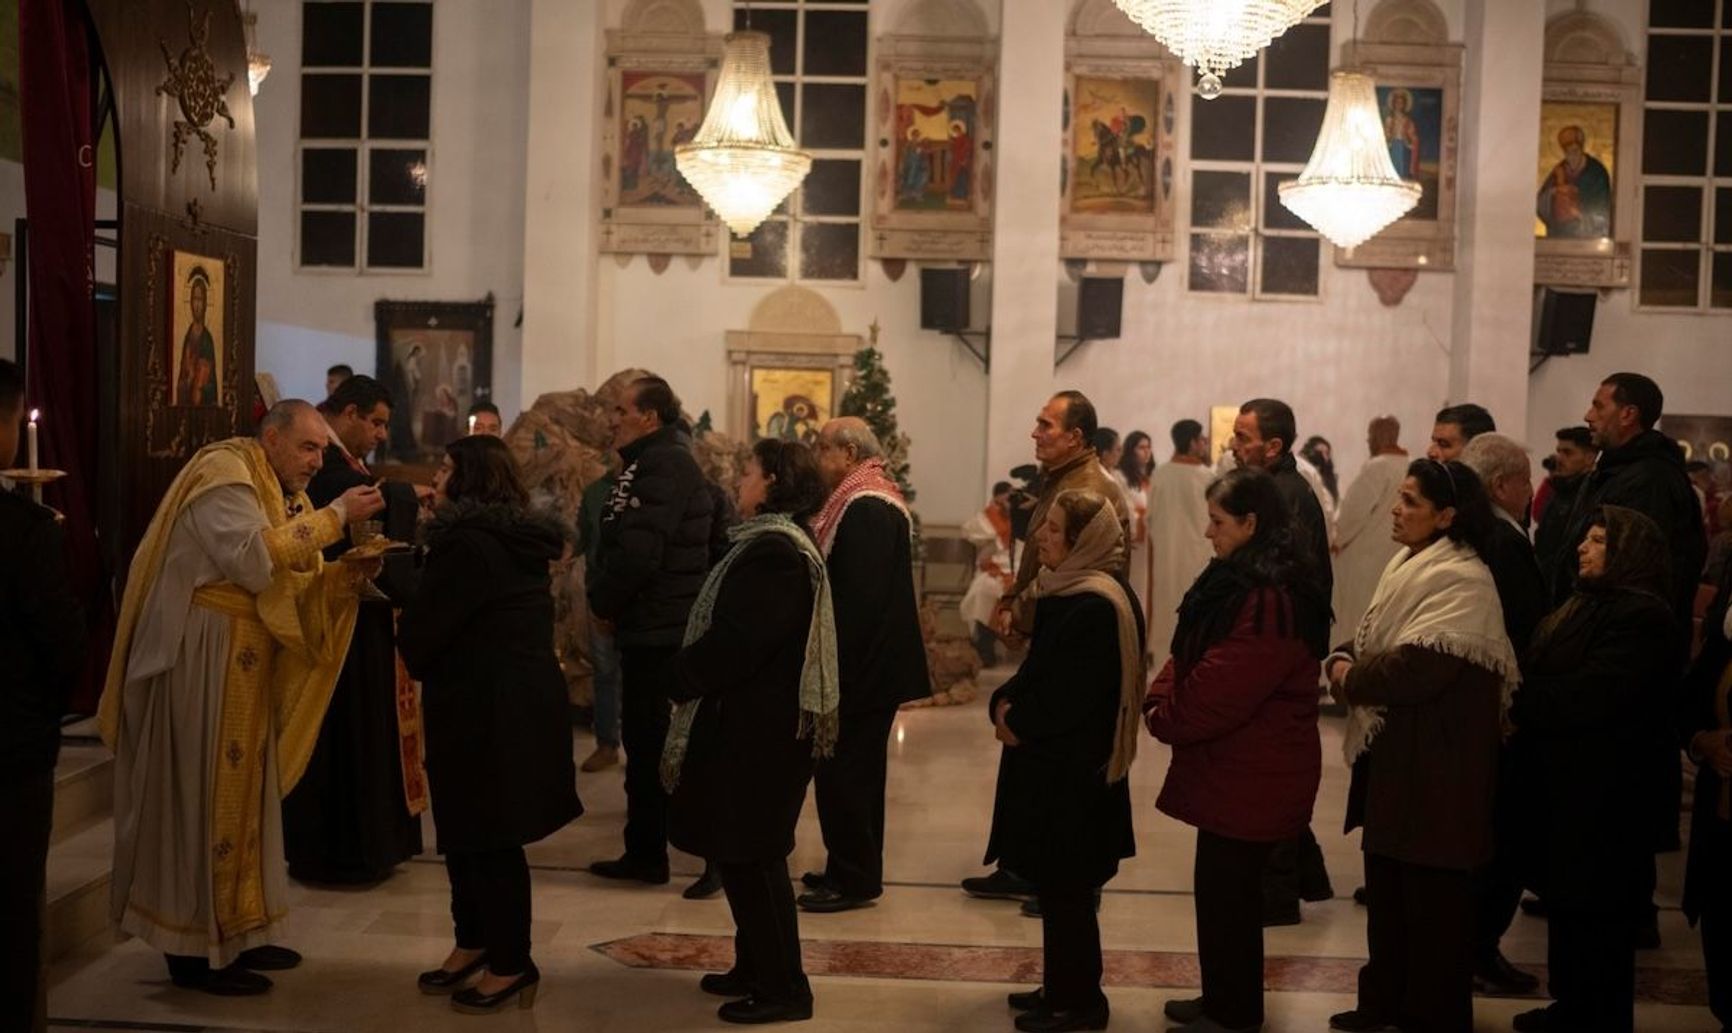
point(490, 905)
point(1716, 926)
point(27, 815)
point(766, 929)
point(850, 795)
point(1229, 900)
point(1591, 958)
point(1295, 870)
point(1070, 946)
point(1419, 933)
point(644, 716)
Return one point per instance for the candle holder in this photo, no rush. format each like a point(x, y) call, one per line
point(34, 478)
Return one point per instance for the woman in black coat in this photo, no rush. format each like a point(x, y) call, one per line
point(756, 693)
point(1587, 723)
point(1069, 721)
point(479, 636)
point(1707, 727)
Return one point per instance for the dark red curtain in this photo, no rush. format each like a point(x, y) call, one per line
point(55, 86)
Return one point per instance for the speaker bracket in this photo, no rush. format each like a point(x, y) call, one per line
point(1074, 341)
point(983, 352)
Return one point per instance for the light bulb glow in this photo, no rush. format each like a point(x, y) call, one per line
point(1349, 191)
point(1213, 36)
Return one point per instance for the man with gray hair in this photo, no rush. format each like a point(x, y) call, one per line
point(866, 535)
point(1503, 467)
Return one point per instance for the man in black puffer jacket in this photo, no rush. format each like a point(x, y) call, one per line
point(656, 535)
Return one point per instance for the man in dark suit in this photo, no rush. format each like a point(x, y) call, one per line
point(1503, 467)
point(866, 535)
point(354, 816)
point(42, 641)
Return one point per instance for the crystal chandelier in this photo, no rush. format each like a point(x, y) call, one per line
point(258, 62)
point(743, 161)
point(1349, 190)
point(1213, 36)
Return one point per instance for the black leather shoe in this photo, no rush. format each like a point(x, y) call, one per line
point(232, 981)
point(1045, 1021)
point(1027, 1000)
point(1185, 1011)
point(1356, 1021)
point(1000, 885)
point(1317, 891)
point(1360, 898)
point(1494, 976)
point(445, 981)
point(725, 984)
point(754, 1011)
point(708, 885)
point(814, 880)
point(473, 1002)
point(1537, 1021)
point(268, 958)
point(1276, 916)
point(627, 870)
point(828, 901)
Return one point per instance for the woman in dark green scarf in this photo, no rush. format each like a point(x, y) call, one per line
point(756, 695)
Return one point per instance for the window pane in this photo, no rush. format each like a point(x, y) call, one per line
point(1723, 134)
point(1238, 77)
point(1275, 214)
point(403, 35)
point(1290, 265)
point(1672, 214)
point(1679, 67)
point(1723, 216)
point(1669, 277)
point(1220, 263)
point(1725, 64)
point(1299, 59)
point(328, 239)
point(1290, 128)
point(397, 106)
point(832, 188)
point(1224, 129)
point(835, 43)
point(830, 251)
point(331, 106)
point(328, 175)
point(833, 116)
point(1674, 143)
point(397, 177)
point(330, 35)
point(764, 253)
point(781, 25)
point(785, 99)
point(395, 240)
point(1221, 200)
point(1681, 14)
point(1720, 287)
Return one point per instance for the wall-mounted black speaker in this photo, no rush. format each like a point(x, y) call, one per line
point(1100, 300)
point(1566, 322)
point(944, 299)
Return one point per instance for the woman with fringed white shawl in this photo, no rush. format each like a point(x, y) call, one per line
point(1428, 678)
point(1069, 722)
point(756, 695)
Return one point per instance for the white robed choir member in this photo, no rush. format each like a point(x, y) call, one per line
point(1363, 543)
point(1178, 518)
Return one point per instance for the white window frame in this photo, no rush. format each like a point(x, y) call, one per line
point(796, 219)
point(1258, 169)
point(364, 145)
point(1708, 183)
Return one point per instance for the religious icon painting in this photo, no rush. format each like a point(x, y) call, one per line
point(436, 359)
point(196, 328)
point(1114, 123)
point(937, 128)
point(1413, 125)
point(791, 404)
point(1577, 165)
point(659, 111)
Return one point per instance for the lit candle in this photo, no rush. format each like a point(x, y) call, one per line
point(35, 414)
point(471, 425)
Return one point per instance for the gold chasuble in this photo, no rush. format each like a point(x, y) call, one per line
point(285, 648)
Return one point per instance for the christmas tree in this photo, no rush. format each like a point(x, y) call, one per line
point(869, 398)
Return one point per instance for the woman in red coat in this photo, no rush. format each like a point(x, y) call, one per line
point(1238, 704)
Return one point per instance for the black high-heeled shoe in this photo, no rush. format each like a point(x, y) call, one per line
point(473, 1002)
point(444, 981)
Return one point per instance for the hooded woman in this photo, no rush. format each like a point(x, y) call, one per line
point(1427, 678)
point(1586, 723)
point(1238, 704)
point(1068, 720)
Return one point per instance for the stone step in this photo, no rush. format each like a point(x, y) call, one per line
point(79, 872)
point(83, 787)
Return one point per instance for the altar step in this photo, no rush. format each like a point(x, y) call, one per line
point(81, 850)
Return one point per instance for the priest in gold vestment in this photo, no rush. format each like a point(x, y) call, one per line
point(232, 632)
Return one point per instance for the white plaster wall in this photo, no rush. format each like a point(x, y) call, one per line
point(310, 320)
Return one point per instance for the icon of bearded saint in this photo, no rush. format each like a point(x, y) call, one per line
point(1575, 201)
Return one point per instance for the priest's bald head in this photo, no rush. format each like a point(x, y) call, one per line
point(294, 437)
point(844, 444)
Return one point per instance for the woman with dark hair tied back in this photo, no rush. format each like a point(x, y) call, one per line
point(1427, 678)
point(1238, 704)
point(756, 696)
point(1136, 468)
point(479, 636)
point(1587, 727)
point(1068, 720)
